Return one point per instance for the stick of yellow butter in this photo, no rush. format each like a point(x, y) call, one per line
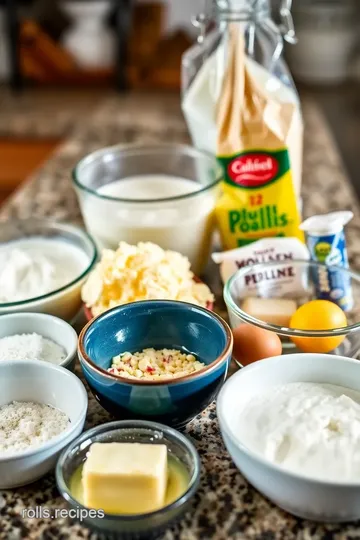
point(271, 310)
point(125, 478)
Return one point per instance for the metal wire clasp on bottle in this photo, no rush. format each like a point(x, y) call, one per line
point(255, 13)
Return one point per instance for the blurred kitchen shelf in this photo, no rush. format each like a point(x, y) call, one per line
point(147, 59)
point(45, 61)
point(162, 69)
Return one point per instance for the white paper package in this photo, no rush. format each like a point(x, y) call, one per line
point(285, 280)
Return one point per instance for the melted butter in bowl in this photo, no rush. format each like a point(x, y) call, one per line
point(177, 482)
point(159, 473)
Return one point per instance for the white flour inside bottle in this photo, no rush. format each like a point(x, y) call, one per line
point(200, 105)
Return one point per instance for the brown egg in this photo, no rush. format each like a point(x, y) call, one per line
point(252, 344)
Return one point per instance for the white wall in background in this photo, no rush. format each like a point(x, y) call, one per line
point(179, 14)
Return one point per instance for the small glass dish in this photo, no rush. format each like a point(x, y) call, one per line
point(130, 527)
point(243, 284)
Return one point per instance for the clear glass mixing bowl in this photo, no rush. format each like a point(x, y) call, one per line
point(242, 285)
point(64, 302)
point(136, 526)
point(162, 208)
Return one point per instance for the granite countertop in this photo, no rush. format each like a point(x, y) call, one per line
point(226, 506)
point(50, 113)
point(45, 113)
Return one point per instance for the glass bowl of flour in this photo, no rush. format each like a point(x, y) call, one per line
point(43, 265)
point(165, 194)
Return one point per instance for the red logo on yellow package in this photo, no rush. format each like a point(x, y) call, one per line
point(253, 170)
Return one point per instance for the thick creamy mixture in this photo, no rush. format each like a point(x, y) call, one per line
point(308, 428)
point(36, 266)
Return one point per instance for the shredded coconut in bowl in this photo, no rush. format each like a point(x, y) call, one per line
point(31, 347)
point(26, 424)
point(142, 272)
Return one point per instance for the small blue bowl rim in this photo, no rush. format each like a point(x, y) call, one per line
point(141, 424)
point(83, 356)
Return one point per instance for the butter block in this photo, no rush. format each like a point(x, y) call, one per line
point(271, 310)
point(125, 478)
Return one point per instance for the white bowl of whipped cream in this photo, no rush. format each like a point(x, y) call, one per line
point(292, 427)
point(43, 265)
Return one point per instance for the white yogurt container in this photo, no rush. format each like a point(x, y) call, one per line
point(165, 194)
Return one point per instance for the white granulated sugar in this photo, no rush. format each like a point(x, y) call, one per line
point(31, 347)
point(25, 425)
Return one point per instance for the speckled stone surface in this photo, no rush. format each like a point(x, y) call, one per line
point(46, 112)
point(226, 507)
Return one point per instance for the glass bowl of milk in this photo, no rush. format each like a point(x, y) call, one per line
point(165, 194)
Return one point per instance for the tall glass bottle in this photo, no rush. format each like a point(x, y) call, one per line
point(237, 70)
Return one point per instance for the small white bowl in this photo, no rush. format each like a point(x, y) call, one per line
point(41, 382)
point(47, 326)
point(308, 498)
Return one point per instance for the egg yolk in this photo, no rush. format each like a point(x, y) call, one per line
point(318, 315)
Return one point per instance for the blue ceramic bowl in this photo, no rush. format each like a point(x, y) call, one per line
point(159, 324)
